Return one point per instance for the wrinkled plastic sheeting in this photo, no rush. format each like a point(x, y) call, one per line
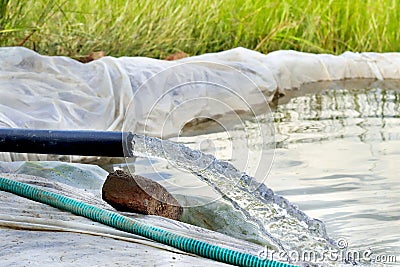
point(36, 234)
point(42, 92)
point(216, 215)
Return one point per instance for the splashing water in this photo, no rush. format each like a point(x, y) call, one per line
point(280, 222)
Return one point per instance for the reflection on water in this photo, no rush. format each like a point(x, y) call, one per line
point(337, 158)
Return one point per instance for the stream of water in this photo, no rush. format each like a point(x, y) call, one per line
point(280, 222)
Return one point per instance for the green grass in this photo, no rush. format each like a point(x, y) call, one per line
point(157, 28)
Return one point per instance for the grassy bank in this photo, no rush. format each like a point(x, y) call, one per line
point(158, 28)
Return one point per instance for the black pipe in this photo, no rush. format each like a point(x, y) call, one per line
point(83, 143)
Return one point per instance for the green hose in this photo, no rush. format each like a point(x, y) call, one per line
point(132, 226)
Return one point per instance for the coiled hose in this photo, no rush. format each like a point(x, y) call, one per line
point(130, 225)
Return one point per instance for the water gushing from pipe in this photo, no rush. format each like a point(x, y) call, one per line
point(281, 223)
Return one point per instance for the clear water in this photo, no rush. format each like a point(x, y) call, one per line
point(282, 224)
point(337, 159)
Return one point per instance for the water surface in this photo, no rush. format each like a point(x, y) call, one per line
point(338, 158)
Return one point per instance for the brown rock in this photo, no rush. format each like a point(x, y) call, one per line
point(141, 195)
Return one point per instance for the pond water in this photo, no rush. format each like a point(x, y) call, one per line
point(337, 158)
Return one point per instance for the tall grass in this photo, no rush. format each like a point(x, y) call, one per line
point(158, 28)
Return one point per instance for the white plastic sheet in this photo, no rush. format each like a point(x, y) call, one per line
point(42, 92)
point(36, 234)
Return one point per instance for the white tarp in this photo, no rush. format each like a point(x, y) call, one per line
point(42, 92)
point(36, 234)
